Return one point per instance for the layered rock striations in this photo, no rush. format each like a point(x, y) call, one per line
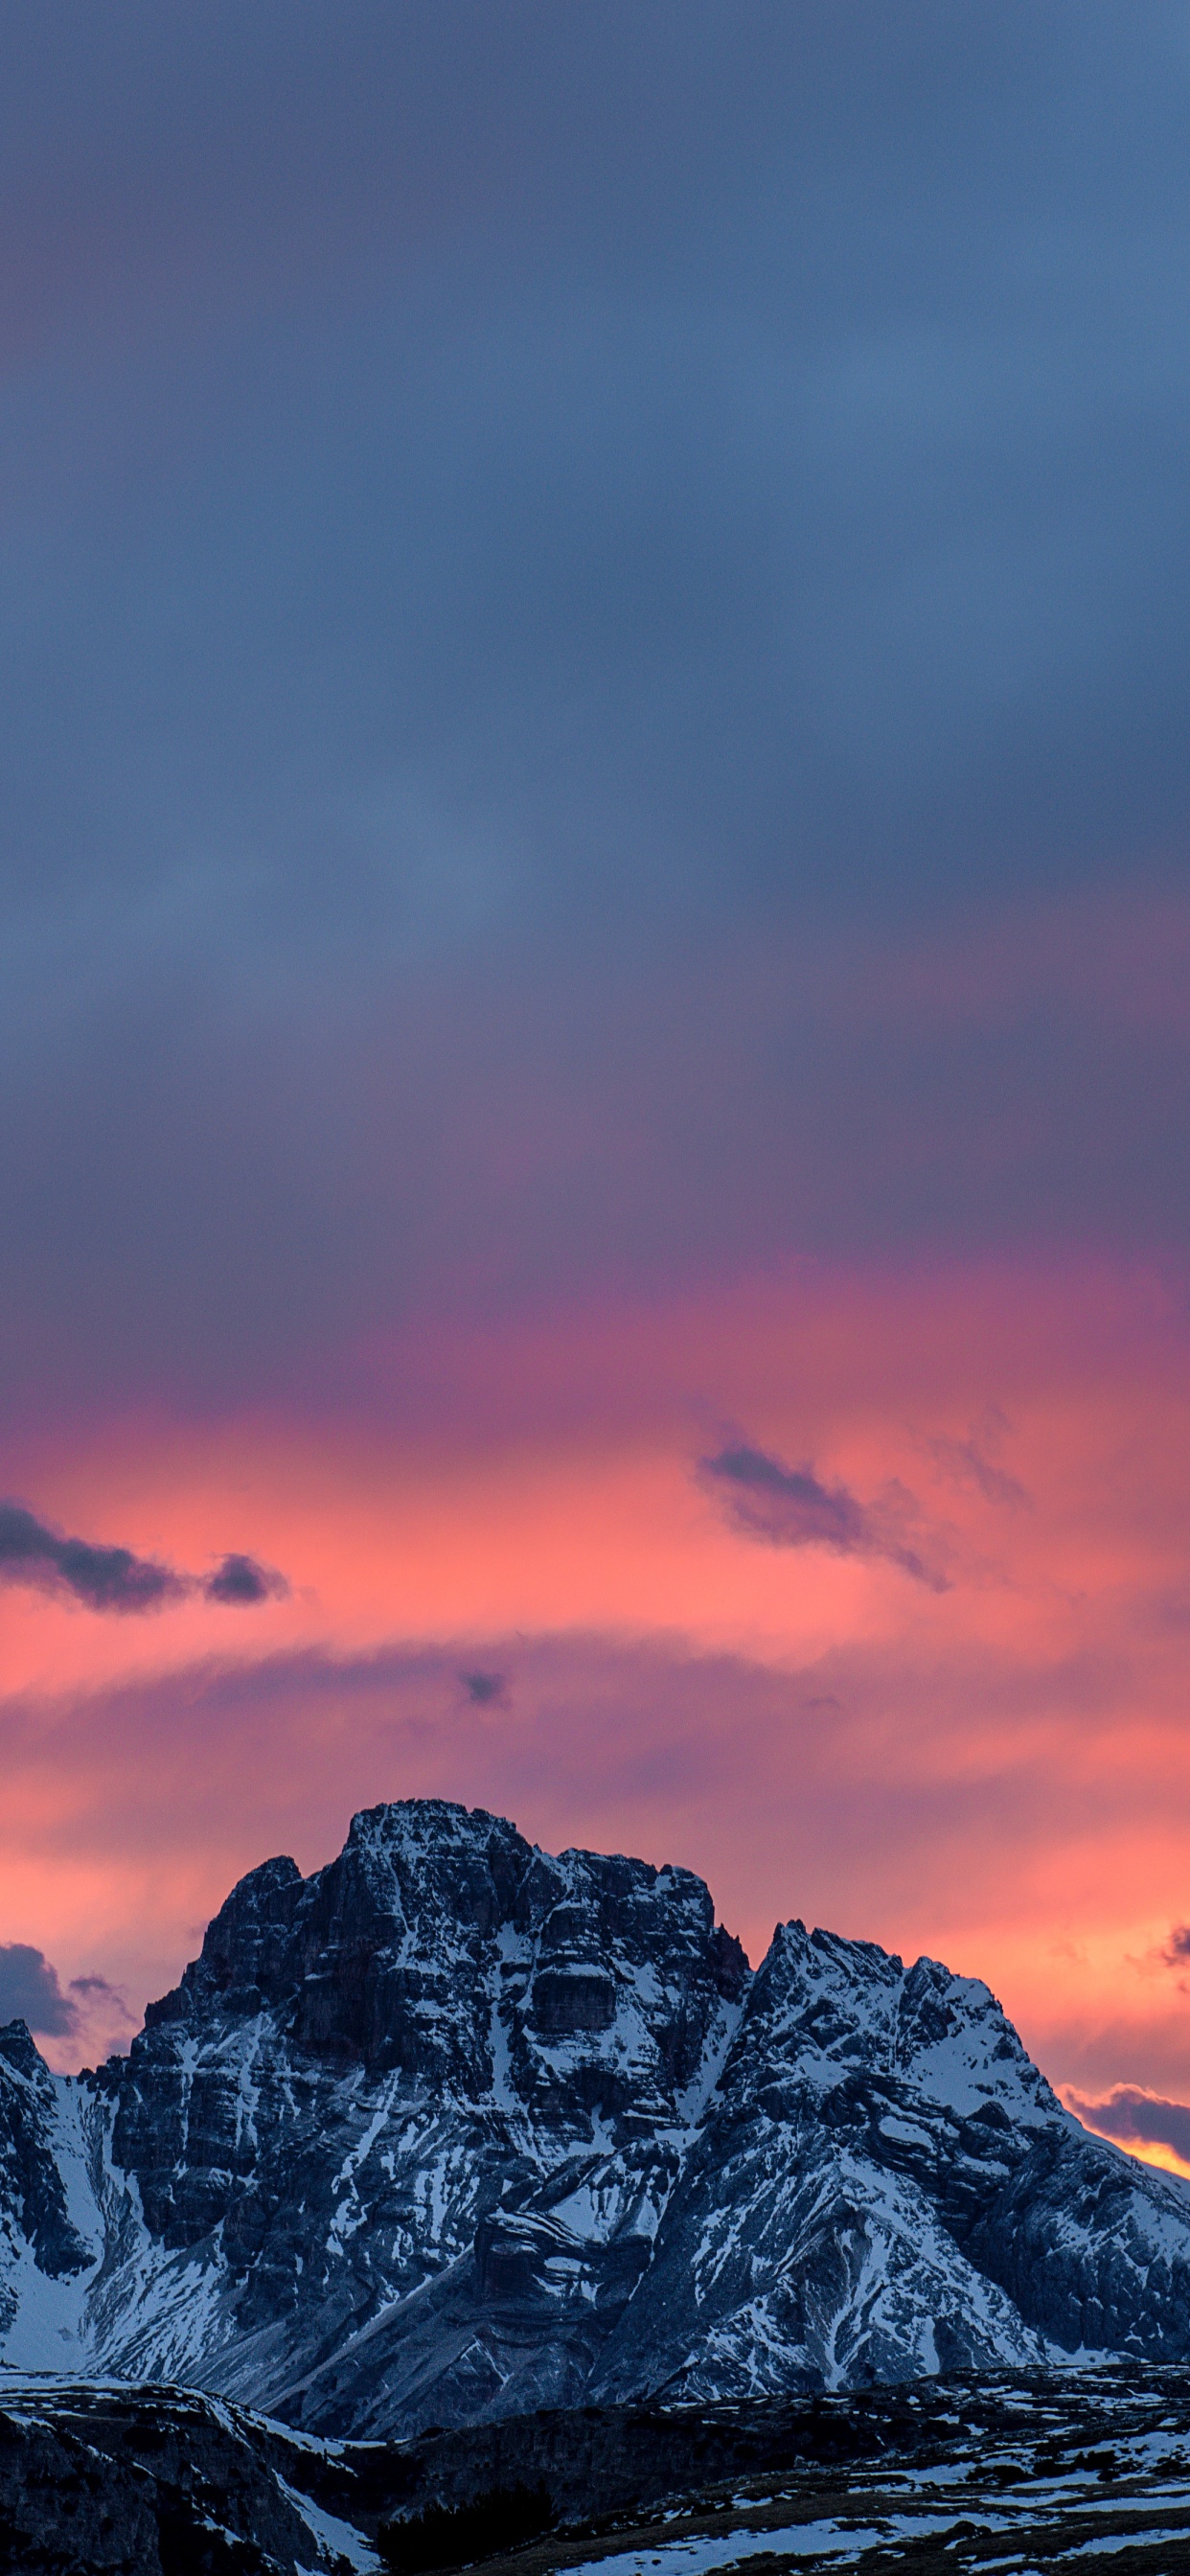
point(453, 2129)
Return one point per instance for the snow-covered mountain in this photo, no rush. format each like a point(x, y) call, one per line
point(452, 2128)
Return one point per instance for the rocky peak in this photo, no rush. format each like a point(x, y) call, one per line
point(20, 2051)
point(455, 2126)
point(828, 2008)
point(439, 1933)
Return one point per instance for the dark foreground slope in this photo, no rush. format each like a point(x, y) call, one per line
point(1047, 2471)
point(155, 2482)
point(453, 2129)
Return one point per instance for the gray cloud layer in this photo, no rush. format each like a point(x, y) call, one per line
point(544, 549)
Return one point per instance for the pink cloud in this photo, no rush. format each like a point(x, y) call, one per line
point(997, 1774)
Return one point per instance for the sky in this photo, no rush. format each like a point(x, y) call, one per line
point(595, 973)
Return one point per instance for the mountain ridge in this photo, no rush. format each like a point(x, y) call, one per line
point(454, 2128)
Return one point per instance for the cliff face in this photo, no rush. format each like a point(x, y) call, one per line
point(452, 2128)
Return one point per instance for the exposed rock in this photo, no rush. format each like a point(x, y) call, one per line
point(453, 2129)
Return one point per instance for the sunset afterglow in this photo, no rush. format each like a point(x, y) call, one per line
point(597, 979)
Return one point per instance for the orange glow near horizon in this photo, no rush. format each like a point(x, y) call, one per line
point(1150, 2152)
point(996, 1772)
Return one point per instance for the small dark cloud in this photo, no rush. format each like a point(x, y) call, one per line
point(102, 1578)
point(30, 1992)
point(240, 1581)
point(790, 1507)
point(1131, 2116)
point(484, 1689)
point(112, 1578)
point(972, 1462)
point(1176, 1953)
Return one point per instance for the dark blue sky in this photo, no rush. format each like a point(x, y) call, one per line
point(595, 658)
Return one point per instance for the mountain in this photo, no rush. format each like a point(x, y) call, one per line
point(453, 2129)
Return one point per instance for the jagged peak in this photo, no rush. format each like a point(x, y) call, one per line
point(517, 2121)
point(20, 2052)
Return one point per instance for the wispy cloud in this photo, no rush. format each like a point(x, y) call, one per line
point(972, 1461)
point(791, 1507)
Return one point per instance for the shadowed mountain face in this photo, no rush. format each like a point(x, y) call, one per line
point(452, 2129)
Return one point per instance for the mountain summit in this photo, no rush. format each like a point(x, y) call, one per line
point(453, 2128)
